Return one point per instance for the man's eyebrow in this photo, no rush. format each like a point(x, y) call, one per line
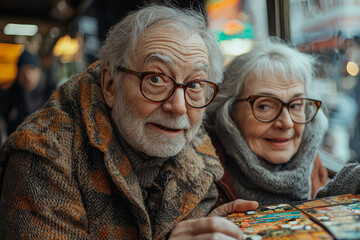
point(158, 57)
point(202, 66)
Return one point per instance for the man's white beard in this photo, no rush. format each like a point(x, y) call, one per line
point(147, 140)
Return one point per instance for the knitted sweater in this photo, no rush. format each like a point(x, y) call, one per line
point(67, 177)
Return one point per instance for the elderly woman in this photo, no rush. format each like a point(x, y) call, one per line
point(267, 125)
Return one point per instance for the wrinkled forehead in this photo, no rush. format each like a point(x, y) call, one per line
point(171, 43)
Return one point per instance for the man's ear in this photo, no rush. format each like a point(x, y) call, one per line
point(107, 86)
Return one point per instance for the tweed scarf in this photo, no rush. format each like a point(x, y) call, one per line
point(145, 167)
point(256, 179)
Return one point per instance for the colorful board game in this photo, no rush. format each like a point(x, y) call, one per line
point(336, 217)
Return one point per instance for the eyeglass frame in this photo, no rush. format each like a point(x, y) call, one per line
point(252, 98)
point(142, 75)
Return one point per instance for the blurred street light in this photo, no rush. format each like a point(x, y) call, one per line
point(20, 29)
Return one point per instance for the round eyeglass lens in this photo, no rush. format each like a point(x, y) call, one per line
point(303, 110)
point(156, 87)
point(266, 108)
point(199, 93)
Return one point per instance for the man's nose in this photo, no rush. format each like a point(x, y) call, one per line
point(176, 104)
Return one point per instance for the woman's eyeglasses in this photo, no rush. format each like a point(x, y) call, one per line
point(267, 109)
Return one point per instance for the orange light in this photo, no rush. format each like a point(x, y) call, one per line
point(352, 68)
point(233, 27)
point(9, 54)
point(66, 48)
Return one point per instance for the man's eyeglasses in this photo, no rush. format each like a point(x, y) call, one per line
point(267, 109)
point(158, 87)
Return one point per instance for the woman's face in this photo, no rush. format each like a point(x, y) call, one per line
point(275, 141)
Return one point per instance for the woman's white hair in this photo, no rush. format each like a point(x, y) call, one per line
point(269, 56)
point(121, 42)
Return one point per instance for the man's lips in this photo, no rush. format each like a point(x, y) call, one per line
point(175, 130)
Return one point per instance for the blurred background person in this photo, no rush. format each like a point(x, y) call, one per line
point(2, 131)
point(28, 93)
point(341, 123)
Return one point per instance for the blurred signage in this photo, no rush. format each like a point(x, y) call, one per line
point(227, 19)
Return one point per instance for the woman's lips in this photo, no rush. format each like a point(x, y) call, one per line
point(278, 142)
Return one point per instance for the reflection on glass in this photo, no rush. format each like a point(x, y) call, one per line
point(237, 23)
point(331, 30)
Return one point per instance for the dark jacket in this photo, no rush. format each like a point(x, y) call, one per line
point(16, 104)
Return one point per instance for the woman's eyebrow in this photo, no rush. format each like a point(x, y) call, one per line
point(296, 95)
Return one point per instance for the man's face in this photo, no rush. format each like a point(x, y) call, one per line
point(29, 77)
point(161, 128)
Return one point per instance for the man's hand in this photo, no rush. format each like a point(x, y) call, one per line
point(206, 228)
point(213, 226)
point(238, 205)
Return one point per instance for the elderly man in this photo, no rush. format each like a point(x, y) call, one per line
point(118, 152)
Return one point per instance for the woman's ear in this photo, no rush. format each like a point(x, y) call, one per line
point(107, 86)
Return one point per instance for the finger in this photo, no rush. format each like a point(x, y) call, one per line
point(205, 236)
point(238, 205)
point(208, 236)
point(208, 225)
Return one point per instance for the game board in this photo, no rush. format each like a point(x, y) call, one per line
point(336, 217)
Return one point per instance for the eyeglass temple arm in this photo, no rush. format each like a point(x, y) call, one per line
point(242, 99)
point(139, 74)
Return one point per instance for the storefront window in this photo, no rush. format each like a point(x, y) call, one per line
point(330, 30)
point(237, 23)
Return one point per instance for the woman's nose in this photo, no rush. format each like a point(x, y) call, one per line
point(284, 120)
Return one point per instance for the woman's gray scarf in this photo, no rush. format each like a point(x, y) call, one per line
point(256, 179)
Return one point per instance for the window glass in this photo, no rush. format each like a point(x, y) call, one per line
point(330, 30)
point(237, 23)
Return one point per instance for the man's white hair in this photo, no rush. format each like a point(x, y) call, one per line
point(121, 42)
